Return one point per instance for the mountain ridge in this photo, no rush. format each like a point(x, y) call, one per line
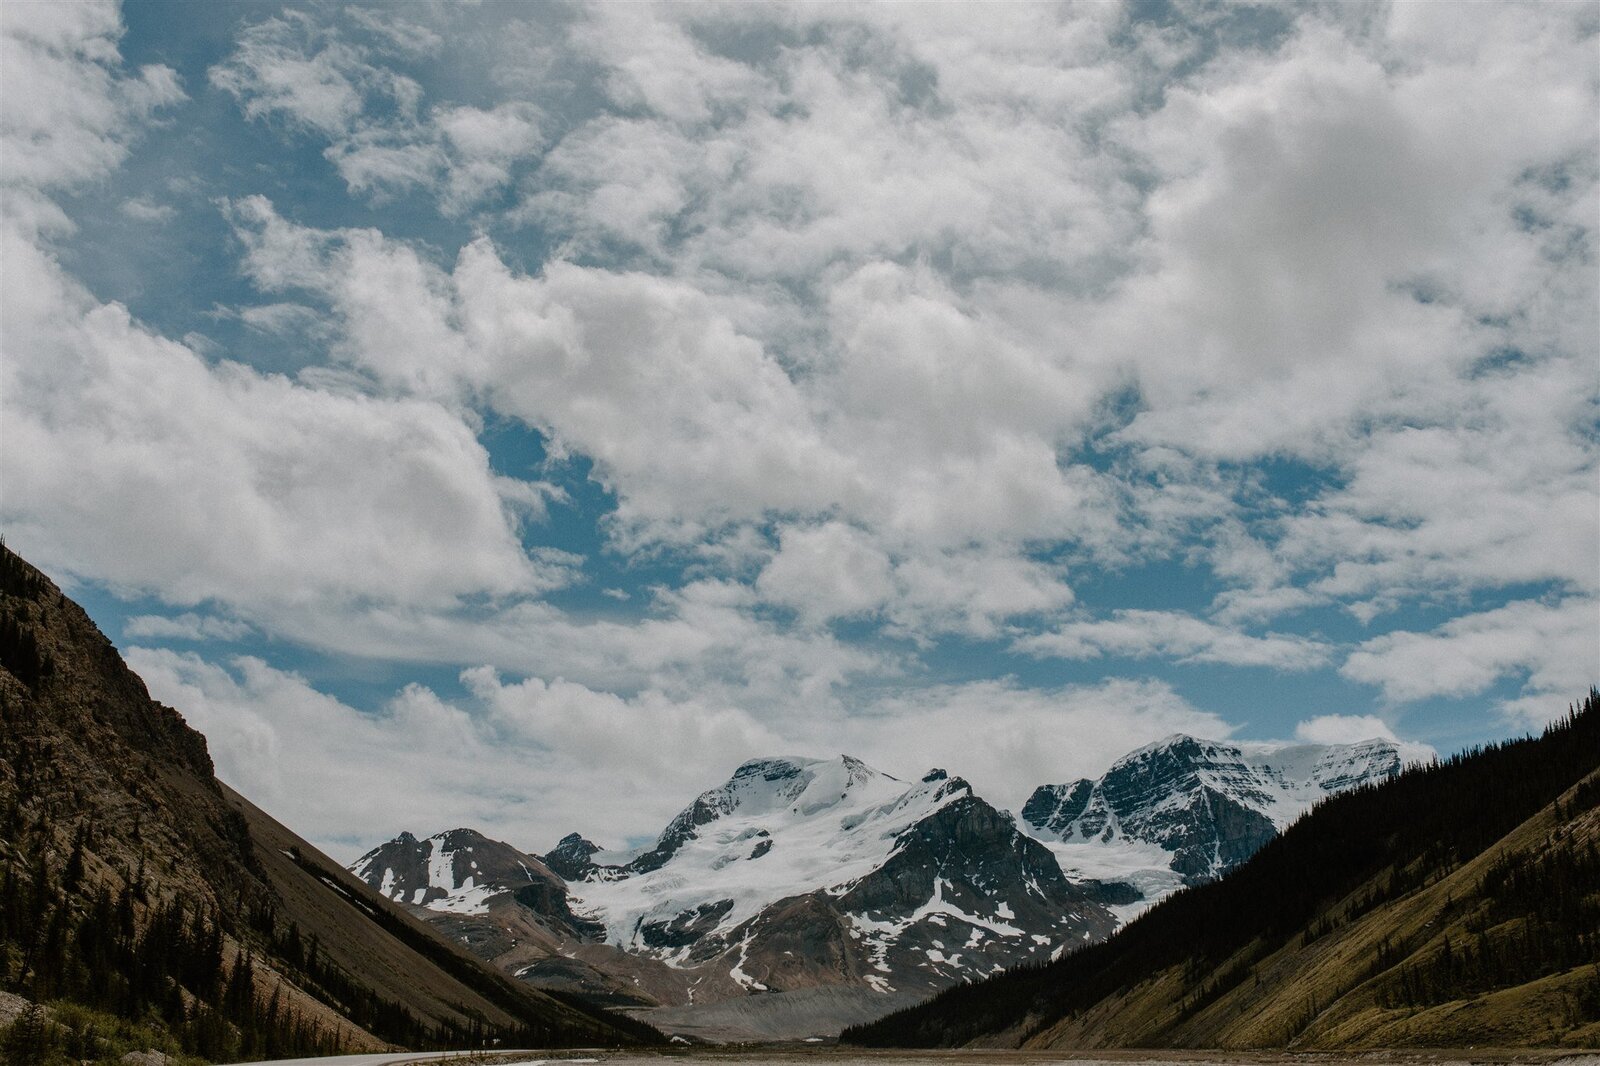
point(1454, 904)
point(798, 873)
point(1184, 810)
point(133, 881)
point(794, 874)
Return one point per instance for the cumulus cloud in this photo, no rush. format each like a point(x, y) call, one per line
point(1355, 728)
point(861, 320)
point(1549, 647)
point(292, 67)
point(1343, 729)
point(523, 760)
point(1301, 278)
point(131, 459)
point(243, 487)
point(827, 572)
point(315, 77)
point(1504, 496)
point(148, 211)
point(67, 111)
point(1006, 739)
point(344, 778)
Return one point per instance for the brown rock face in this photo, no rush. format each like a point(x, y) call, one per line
point(108, 796)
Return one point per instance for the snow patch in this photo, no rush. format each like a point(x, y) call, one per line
point(831, 823)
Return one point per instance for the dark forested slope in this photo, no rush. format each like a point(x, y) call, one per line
point(134, 883)
point(1456, 904)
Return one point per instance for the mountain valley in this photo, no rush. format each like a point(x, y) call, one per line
point(803, 895)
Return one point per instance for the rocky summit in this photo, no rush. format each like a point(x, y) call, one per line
point(1184, 811)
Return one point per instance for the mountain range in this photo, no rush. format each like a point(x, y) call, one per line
point(1184, 898)
point(804, 894)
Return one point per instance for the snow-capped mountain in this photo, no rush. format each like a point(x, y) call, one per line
point(461, 871)
point(912, 885)
point(1184, 810)
point(842, 888)
point(805, 894)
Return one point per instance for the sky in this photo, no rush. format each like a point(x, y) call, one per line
point(517, 416)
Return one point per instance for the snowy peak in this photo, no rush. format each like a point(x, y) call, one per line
point(881, 856)
point(573, 857)
point(1350, 765)
point(804, 786)
point(457, 871)
point(1208, 805)
point(783, 787)
point(792, 875)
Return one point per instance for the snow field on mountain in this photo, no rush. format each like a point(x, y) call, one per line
point(452, 871)
point(1162, 789)
point(829, 822)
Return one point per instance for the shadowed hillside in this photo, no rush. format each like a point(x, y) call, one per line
point(134, 883)
point(1457, 904)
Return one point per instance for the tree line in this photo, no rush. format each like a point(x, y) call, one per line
point(1369, 845)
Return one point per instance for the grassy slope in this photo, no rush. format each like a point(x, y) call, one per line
point(1308, 943)
point(1326, 994)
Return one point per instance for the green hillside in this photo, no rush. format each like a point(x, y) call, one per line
point(1457, 904)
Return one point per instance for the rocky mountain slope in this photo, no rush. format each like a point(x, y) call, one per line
point(133, 882)
point(1184, 811)
point(863, 892)
point(1456, 904)
point(794, 876)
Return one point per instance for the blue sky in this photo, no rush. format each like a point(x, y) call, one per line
point(519, 415)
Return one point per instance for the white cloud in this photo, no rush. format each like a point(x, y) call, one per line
point(344, 778)
point(836, 571)
point(188, 626)
point(291, 67)
point(1554, 648)
point(1303, 196)
point(1354, 728)
point(1343, 729)
point(282, 318)
point(379, 137)
point(1503, 496)
point(653, 63)
point(524, 760)
point(830, 571)
point(67, 114)
point(703, 640)
point(1006, 740)
point(484, 145)
point(1141, 634)
point(227, 484)
point(693, 424)
point(858, 135)
point(976, 593)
